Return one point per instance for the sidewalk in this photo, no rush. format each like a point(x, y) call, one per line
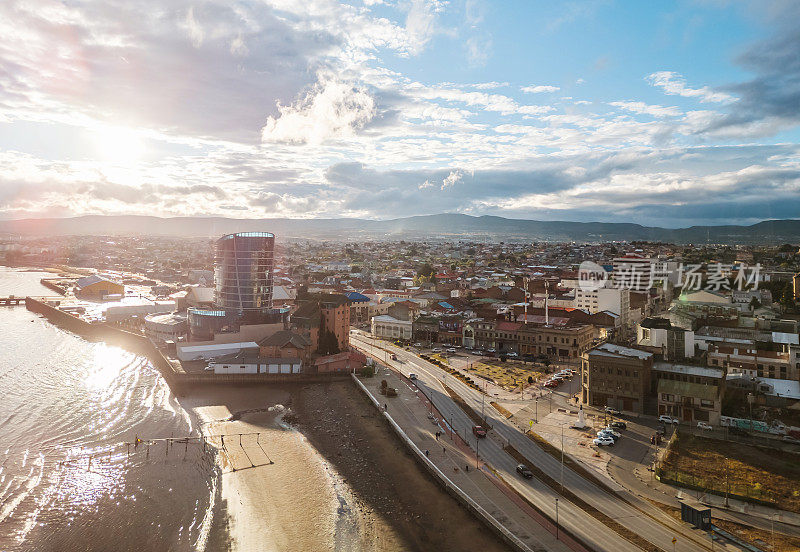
point(416, 416)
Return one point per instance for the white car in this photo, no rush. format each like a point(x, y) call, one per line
point(611, 431)
point(477, 352)
point(704, 425)
point(451, 350)
point(664, 419)
point(512, 354)
point(603, 441)
point(436, 350)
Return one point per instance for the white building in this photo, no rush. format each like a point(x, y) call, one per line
point(659, 333)
point(389, 327)
point(165, 327)
point(243, 364)
point(605, 299)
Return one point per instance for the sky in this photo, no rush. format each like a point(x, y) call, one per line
point(659, 113)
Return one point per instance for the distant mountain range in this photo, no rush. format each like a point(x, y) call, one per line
point(452, 226)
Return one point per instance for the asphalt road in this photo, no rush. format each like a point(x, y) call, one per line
point(592, 531)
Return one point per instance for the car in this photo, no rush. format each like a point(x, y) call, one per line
point(603, 441)
point(478, 431)
point(417, 344)
point(436, 350)
point(704, 425)
point(412, 376)
point(551, 384)
point(491, 351)
point(610, 431)
point(609, 434)
point(476, 352)
point(524, 471)
point(664, 419)
point(790, 439)
point(612, 411)
point(451, 350)
point(512, 354)
point(617, 424)
point(394, 357)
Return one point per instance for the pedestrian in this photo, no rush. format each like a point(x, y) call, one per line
point(466, 468)
point(385, 406)
point(444, 450)
point(426, 453)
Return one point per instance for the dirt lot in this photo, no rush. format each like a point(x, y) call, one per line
point(507, 375)
point(763, 473)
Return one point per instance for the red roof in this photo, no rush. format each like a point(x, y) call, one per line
point(508, 326)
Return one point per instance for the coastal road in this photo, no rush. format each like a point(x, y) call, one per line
point(429, 380)
point(658, 533)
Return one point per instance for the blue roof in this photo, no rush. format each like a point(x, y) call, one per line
point(445, 305)
point(355, 297)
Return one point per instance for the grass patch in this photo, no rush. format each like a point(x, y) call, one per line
point(760, 473)
point(502, 410)
point(783, 543)
point(507, 375)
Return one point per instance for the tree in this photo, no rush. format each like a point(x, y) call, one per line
point(754, 303)
point(425, 271)
point(787, 299)
point(328, 344)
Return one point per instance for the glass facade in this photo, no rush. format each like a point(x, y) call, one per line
point(243, 275)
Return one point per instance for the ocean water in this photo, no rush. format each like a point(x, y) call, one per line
point(68, 481)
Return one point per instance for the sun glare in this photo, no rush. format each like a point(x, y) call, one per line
point(118, 144)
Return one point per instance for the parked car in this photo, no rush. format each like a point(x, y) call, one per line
point(451, 350)
point(394, 357)
point(512, 354)
point(524, 471)
point(704, 425)
point(412, 376)
point(476, 352)
point(478, 431)
point(603, 434)
point(436, 350)
point(551, 384)
point(603, 441)
point(610, 431)
point(612, 411)
point(491, 351)
point(617, 424)
point(664, 419)
point(417, 344)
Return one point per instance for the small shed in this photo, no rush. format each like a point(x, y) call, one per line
point(696, 513)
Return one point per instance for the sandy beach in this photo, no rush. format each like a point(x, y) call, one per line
point(317, 469)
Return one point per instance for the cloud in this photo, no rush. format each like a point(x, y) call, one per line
point(642, 108)
point(675, 85)
point(330, 110)
point(538, 89)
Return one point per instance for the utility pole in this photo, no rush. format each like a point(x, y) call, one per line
point(727, 482)
point(772, 519)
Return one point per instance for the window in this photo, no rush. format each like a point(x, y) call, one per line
point(706, 403)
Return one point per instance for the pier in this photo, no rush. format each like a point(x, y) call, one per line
point(11, 301)
point(223, 443)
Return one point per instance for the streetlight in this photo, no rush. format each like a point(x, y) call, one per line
point(562, 457)
point(772, 519)
point(557, 519)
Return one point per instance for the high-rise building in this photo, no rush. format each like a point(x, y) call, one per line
point(243, 273)
point(243, 268)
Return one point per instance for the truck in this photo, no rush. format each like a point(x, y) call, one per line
point(478, 431)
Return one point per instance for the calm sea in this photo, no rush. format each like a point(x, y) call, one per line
point(67, 482)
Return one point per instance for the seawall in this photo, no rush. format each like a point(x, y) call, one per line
point(177, 379)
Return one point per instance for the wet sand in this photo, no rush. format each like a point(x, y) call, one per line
point(324, 473)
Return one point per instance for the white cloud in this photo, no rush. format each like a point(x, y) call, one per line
point(675, 85)
point(330, 110)
point(451, 179)
point(642, 108)
point(538, 89)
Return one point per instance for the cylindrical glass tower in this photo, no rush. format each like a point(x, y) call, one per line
point(243, 275)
